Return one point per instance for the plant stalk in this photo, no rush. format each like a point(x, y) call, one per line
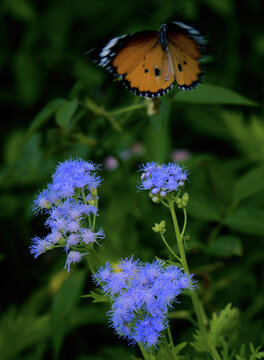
point(195, 300)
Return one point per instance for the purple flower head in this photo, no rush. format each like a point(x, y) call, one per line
point(54, 237)
point(180, 155)
point(110, 163)
point(73, 174)
point(42, 202)
point(70, 177)
point(162, 179)
point(38, 246)
point(148, 331)
point(70, 203)
point(128, 266)
point(142, 295)
point(72, 258)
point(103, 274)
point(89, 237)
point(68, 215)
point(73, 240)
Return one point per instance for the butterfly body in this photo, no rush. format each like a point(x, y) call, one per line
point(149, 63)
point(163, 38)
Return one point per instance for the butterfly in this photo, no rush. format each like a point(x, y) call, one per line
point(149, 63)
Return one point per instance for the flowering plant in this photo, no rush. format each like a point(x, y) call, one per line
point(71, 205)
point(141, 294)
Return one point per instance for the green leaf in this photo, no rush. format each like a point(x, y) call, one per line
point(64, 305)
point(225, 246)
point(178, 348)
point(247, 220)
point(21, 9)
point(97, 297)
point(248, 135)
point(255, 354)
point(66, 112)
point(213, 95)
point(242, 354)
point(13, 146)
point(202, 207)
point(157, 135)
point(27, 77)
point(20, 331)
point(221, 326)
point(45, 114)
point(30, 156)
point(250, 183)
point(89, 314)
point(163, 352)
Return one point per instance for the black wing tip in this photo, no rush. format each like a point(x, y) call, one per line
point(195, 34)
point(147, 94)
point(162, 92)
point(105, 61)
point(193, 85)
point(189, 87)
point(92, 55)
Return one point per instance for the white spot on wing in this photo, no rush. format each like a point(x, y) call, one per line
point(193, 32)
point(187, 27)
point(104, 61)
point(110, 44)
point(104, 52)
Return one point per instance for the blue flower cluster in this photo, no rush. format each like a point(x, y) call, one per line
point(142, 295)
point(162, 179)
point(71, 204)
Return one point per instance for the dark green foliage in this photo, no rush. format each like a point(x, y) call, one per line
point(63, 307)
point(56, 104)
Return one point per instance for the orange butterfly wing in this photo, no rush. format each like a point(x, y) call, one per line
point(145, 67)
point(149, 66)
point(135, 48)
point(186, 51)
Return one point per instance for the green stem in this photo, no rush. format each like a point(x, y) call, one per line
point(127, 109)
point(170, 337)
point(214, 233)
point(89, 218)
point(90, 265)
point(84, 198)
point(220, 224)
point(146, 356)
point(170, 354)
point(171, 345)
point(185, 222)
point(179, 238)
point(195, 300)
point(94, 217)
point(170, 249)
point(93, 259)
point(89, 104)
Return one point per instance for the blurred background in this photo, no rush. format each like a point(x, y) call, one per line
point(56, 104)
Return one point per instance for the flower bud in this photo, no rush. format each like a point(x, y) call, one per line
point(160, 228)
